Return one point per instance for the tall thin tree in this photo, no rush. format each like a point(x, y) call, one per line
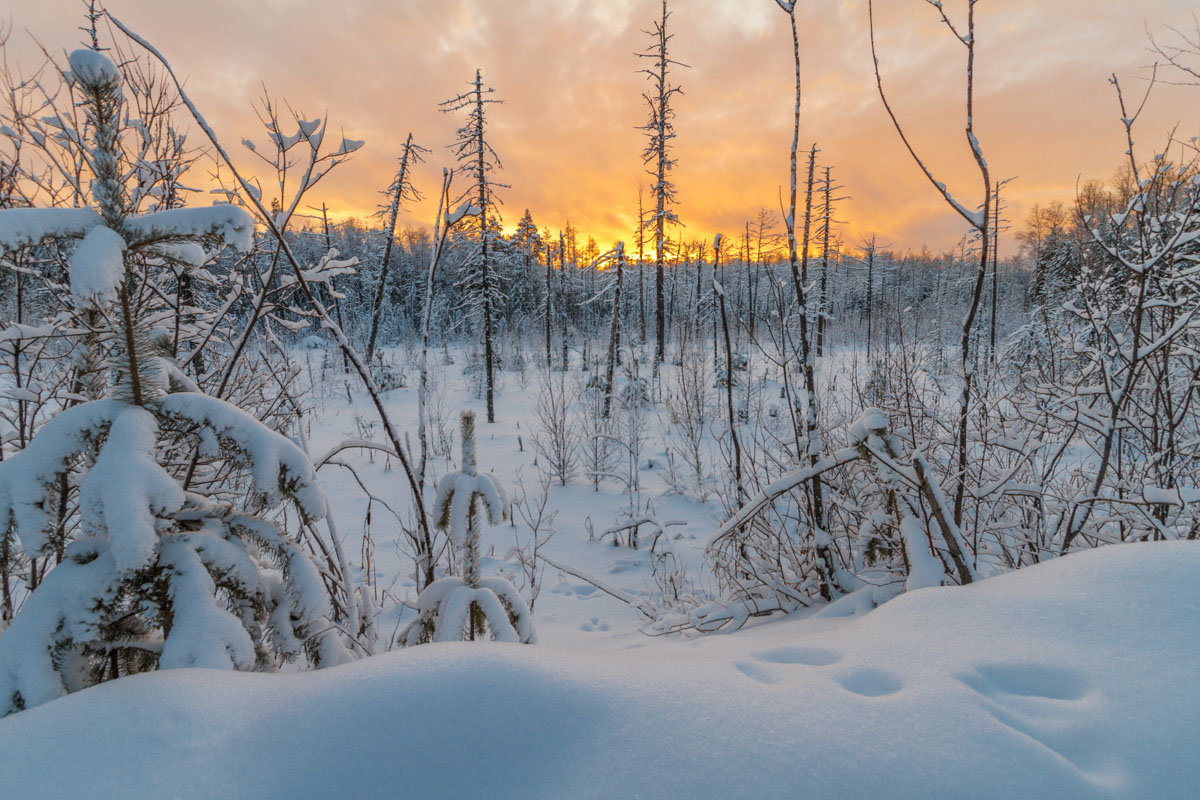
point(980, 220)
point(808, 446)
point(660, 132)
point(402, 189)
point(479, 160)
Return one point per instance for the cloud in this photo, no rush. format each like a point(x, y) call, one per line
point(567, 132)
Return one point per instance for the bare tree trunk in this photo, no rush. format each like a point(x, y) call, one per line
point(614, 340)
point(733, 434)
point(562, 300)
point(979, 220)
point(870, 293)
point(390, 232)
point(641, 246)
point(440, 230)
point(826, 223)
point(549, 292)
point(337, 304)
point(809, 449)
point(661, 132)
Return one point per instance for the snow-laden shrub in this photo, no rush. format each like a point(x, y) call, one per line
point(454, 608)
point(900, 537)
point(388, 377)
point(160, 576)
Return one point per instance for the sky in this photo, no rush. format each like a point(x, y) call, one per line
point(567, 135)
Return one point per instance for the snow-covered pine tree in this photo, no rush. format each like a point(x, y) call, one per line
point(454, 608)
point(479, 201)
point(161, 577)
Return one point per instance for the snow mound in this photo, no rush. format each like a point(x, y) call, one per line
point(1075, 679)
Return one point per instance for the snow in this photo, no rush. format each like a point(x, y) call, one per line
point(126, 489)
point(274, 460)
point(93, 68)
point(98, 266)
point(202, 634)
point(924, 568)
point(186, 253)
point(232, 224)
point(64, 610)
point(466, 209)
point(22, 227)
point(26, 477)
point(1176, 497)
point(1011, 687)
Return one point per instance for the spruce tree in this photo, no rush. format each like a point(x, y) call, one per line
point(469, 606)
point(159, 576)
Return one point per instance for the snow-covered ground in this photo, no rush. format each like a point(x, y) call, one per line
point(1075, 678)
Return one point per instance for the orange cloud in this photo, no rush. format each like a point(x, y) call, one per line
point(567, 72)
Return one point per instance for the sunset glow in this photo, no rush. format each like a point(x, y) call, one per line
point(567, 132)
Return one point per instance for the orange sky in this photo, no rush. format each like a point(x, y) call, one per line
point(566, 70)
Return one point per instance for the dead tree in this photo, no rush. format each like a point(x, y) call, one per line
point(660, 131)
point(401, 189)
point(869, 252)
point(739, 488)
point(614, 339)
point(808, 444)
point(479, 160)
point(549, 295)
point(825, 229)
point(641, 260)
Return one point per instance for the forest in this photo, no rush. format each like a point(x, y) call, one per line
point(498, 502)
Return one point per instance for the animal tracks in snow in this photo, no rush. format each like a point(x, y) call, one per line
point(809, 656)
point(869, 682)
point(1053, 707)
point(755, 672)
point(863, 681)
point(788, 655)
point(999, 681)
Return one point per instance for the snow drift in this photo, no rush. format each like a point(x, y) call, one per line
point(1075, 678)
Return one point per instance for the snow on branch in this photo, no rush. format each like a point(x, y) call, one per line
point(98, 266)
point(230, 223)
point(126, 491)
point(67, 608)
point(277, 465)
point(26, 478)
point(22, 227)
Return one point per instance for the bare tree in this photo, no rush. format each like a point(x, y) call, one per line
point(479, 161)
point(614, 339)
point(441, 229)
point(402, 189)
point(555, 441)
point(979, 220)
point(825, 230)
point(660, 131)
